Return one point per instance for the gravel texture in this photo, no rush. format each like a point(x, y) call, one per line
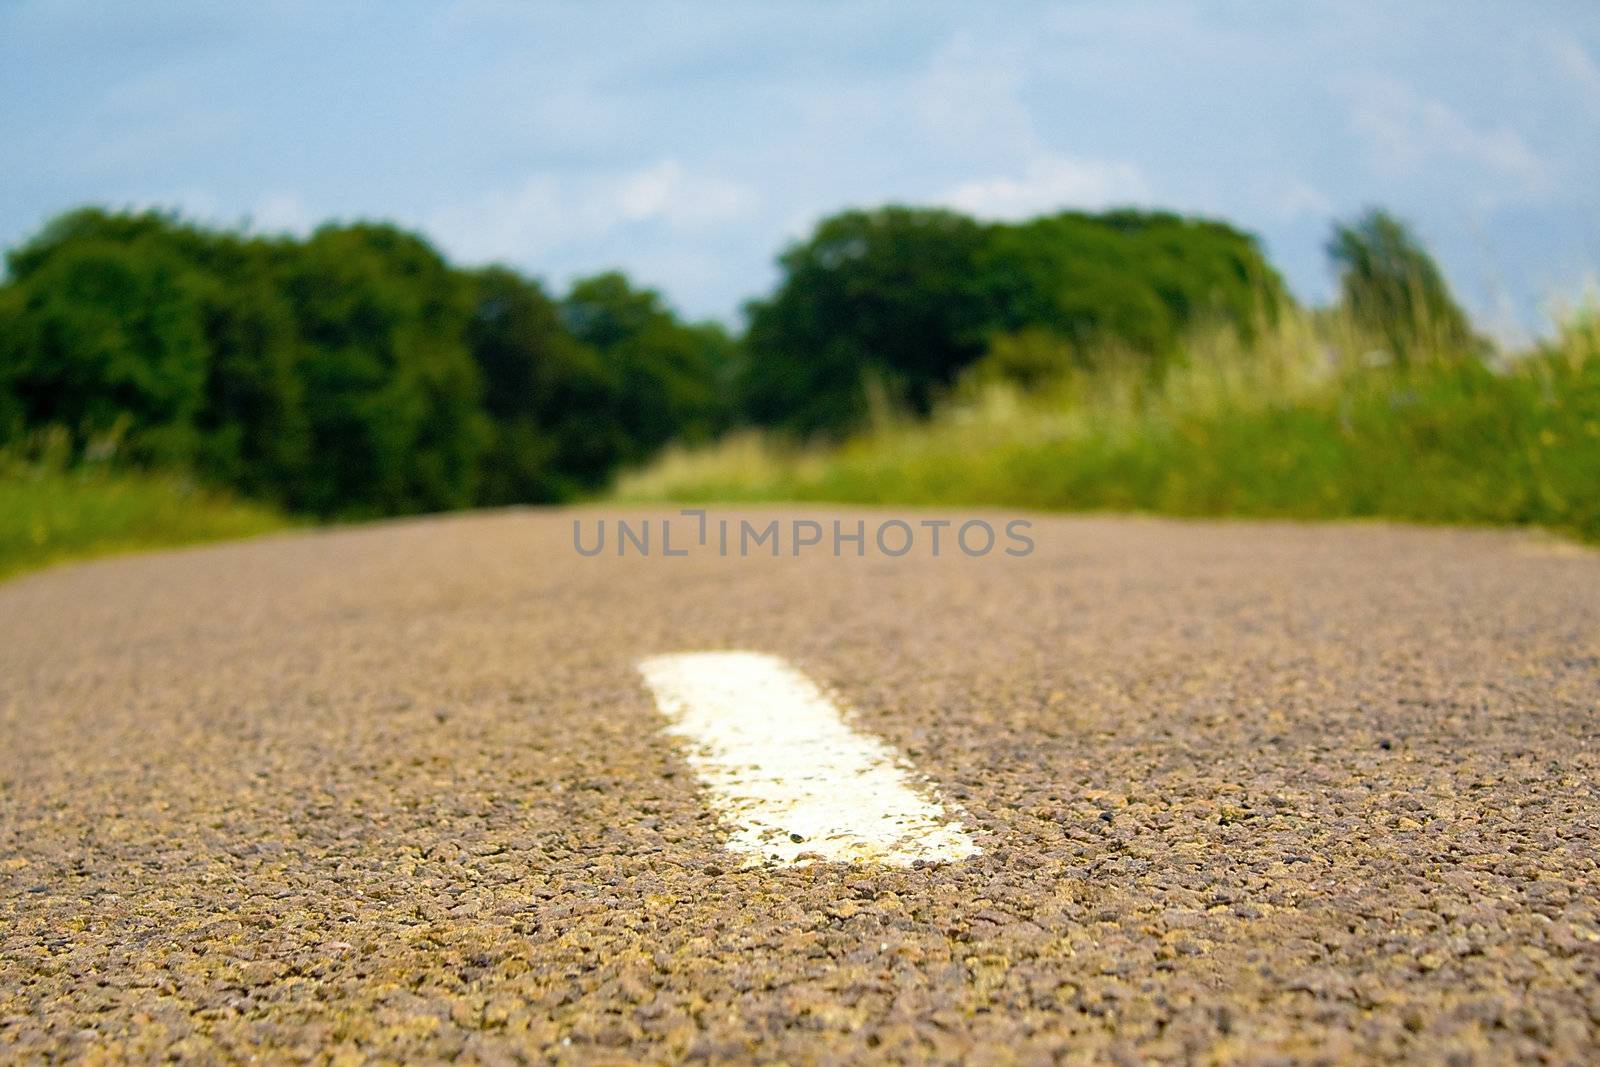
point(1247, 793)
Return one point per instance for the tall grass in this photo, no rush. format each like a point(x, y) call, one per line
point(50, 513)
point(1309, 420)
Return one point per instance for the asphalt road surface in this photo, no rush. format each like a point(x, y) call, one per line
point(1242, 793)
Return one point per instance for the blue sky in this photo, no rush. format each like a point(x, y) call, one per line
point(688, 142)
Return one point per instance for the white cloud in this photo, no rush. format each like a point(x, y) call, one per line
point(1050, 183)
point(149, 122)
point(667, 192)
point(1300, 198)
point(282, 212)
point(547, 211)
point(1578, 67)
point(1405, 132)
point(968, 100)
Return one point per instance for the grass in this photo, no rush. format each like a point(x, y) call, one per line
point(48, 515)
point(1303, 423)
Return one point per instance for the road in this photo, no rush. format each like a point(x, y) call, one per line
point(1240, 793)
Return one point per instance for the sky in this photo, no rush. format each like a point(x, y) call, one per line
point(688, 143)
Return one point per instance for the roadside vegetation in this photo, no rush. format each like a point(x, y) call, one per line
point(50, 513)
point(1288, 425)
point(163, 382)
point(1387, 404)
point(351, 374)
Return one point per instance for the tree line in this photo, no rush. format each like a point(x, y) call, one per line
point(356, 372)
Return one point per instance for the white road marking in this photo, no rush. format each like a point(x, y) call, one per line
point(795, 782)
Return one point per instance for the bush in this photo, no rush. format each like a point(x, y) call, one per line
point(904, 300)
point(353, 373)
point(1268, 427)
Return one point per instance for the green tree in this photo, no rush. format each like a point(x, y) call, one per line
point(13, 420)
point(543, 392)
point(888, 298)
point(1391, 286)
point(671, 378)
point(392, 397)
point(352, 373)
point(247, 429)
point(905, 299)
point(106, 339)
point(254, 432)
point(1140, 280)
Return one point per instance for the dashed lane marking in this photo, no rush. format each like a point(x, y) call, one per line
point(791, 778)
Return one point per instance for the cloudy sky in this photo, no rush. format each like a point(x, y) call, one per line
point(687, 142)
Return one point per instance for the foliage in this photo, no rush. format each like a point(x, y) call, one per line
point(391, 394)
point(543, 390)
point(1128, 360)
point(351, 373)
point(1392, 288)
point(670, 379)
point(904, 300)
point(890, 297)
point(1269, 427)
point(48, 513)
point(105, 336)
point(1128, 281)
point(1030, 359)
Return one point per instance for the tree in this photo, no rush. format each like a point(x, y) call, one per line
point(392, 396)
point(671, 378)
point(905, 299)
point(106, 339)
point(352, 373)
point(254, 434)
point(1127, 281)
point(543, 392)
point(889, 297)
point(12, 417)
point(244, 427)
point(1390, 286)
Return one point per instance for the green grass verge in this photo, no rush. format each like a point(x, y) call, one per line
point(1276, 433)
point(47, 516)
